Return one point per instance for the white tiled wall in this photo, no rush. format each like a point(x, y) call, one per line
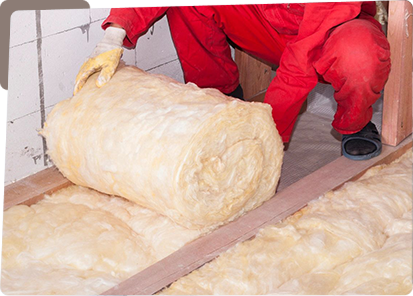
point(23, 88)
point(99, 14)
point(67, 39)
point(155, 47)
point(24, 150)
point(171, 69)
point(62, 56)
point(22, 28)
point(60, 21)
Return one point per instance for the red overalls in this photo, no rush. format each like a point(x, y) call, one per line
point(339, 43)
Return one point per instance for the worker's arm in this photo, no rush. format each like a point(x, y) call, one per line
point(135, 21)
point(121, 23)
point(296, 76)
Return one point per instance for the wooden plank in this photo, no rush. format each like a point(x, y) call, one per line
point(32, 189)
point(288, 201)
point(254, 75)
point(397, 100)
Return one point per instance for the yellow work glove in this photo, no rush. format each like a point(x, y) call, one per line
point(105, 58)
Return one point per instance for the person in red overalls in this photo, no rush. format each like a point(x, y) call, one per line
point(337, 43)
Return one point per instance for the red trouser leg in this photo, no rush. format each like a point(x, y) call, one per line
point(200, 37)
point(355, 59)
point(202, 49)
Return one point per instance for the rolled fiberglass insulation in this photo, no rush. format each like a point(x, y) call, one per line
point(194, 155)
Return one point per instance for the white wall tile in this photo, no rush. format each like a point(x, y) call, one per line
point(95, 35)
point(24, 151)
point(62, 55)
point(99, 13)
point(23, 84)
point(172, 69)
point(129, 56)
point(22, 27)
point(56, 21)
point(156, 46)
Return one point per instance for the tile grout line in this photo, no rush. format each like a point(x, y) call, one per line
point(31, 113)
point(163, 64)
point(41, 84)
point(58, 33)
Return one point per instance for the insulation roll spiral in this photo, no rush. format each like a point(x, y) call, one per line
point(194, 155)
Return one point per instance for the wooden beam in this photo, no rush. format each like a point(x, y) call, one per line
point(397, 102)
point(254, 75)
point(196, 253)
point(33, 188)
point(288, 201)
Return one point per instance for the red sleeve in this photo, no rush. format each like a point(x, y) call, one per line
point(135, 21)
point(296, 76)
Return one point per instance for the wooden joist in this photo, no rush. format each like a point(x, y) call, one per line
point(397, 125)
point(397, 99)
point(32, 189)
point(254, 75)
point(196, 253)
point(283, 204)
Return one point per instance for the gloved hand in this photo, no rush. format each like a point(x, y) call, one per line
point(105, 58)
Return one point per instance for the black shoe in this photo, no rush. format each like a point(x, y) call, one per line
point(237, 93)
point(362, 145)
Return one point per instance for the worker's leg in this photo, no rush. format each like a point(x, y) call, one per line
point(200, 37)
point(356, 61)
point(202, 49)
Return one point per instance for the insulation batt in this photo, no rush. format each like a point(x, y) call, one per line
point(356, 240)
point(79, 241)
point(194, 155)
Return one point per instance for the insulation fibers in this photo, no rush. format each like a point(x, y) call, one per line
point(194, 155)
point(355, 240)
point(79, 241)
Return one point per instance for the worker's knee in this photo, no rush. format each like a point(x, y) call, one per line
point(357, 49)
